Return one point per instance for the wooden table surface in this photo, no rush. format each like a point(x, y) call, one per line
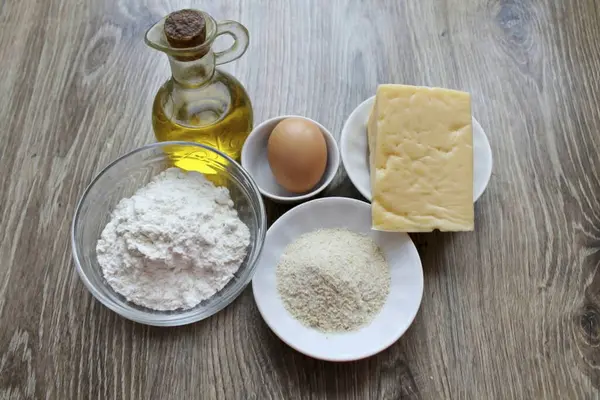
point(511, 311)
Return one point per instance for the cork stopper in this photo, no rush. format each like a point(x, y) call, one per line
point(185, 28)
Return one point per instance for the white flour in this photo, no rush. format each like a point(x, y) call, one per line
point(175, 242)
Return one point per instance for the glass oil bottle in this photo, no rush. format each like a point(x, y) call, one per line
point(200, 103)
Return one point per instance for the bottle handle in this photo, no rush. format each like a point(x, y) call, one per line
point(239, 33)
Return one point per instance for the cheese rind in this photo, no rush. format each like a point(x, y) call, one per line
point(421, 158)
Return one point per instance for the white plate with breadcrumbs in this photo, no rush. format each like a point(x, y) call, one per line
point(398, 311)
point(355, 152)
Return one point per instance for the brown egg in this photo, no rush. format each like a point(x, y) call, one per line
point(297, 154)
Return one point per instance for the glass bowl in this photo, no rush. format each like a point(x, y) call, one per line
point(122, 178)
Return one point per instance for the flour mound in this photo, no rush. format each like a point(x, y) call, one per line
point(175, 242)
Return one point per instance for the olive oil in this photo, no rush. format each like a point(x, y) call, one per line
point(200, 103)
point(219, 116)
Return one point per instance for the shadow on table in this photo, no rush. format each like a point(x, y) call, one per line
point(432, 247)
point(387, 374)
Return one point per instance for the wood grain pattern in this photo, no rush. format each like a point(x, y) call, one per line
point(509, 312)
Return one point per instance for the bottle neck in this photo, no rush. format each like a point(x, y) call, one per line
point(193, 73)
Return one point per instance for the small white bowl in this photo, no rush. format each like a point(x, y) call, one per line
point(254, 160)
point(390, 323)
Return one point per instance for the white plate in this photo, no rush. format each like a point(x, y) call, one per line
point(393, 320)
point(355, 152)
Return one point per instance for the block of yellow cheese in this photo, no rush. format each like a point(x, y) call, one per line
point(421, 157)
